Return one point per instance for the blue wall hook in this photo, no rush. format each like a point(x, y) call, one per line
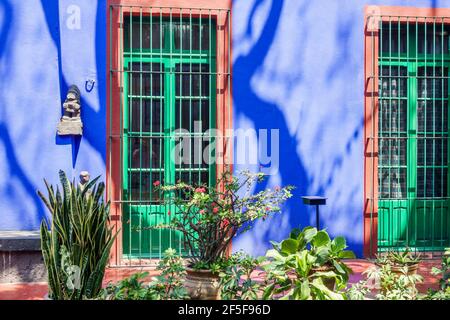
point(89, 85)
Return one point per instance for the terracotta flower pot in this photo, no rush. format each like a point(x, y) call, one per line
point(202, 284)
point(398, 269)
point(411, 269)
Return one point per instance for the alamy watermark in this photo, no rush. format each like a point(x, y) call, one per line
point(214, 147)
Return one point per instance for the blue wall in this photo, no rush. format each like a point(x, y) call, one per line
point(298, 67)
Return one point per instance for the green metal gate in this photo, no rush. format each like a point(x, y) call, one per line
point(169, 88)
point(413, 134)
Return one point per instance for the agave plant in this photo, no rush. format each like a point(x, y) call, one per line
point(76, 246)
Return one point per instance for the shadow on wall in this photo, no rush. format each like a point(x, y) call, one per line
point(15, 170)
point(22, 173)
point(286, 81)
point(96, 119)
point(265, 115)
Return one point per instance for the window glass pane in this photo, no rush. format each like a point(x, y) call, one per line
point(152, 37)
point(393, 82)
point(432, 83)
point(431, 182)
point(393, 116)
point(432, 39)
point(392, 151)
point(389, 38)
point(193, 152)
point(186, 34)
point(432, 116)
point(146, 152)
point(392, 183)
point(435, 150)
point(195, 178)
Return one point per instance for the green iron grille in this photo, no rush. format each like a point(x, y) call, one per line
point(169, 108)
point(413, 134)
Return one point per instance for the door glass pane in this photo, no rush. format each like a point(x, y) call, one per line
point(192, 115)
point(145, 79)
point(146, 116)
point(141, 186)
point(192, 80)
point(432, 124)
point(146, 152)
point(392, 124)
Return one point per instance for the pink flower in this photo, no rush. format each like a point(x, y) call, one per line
point(215, 210)
point(200, 190)
point(156, 183)
point(202, 211)
point(267, 208)
point(226, 222)
point(277, 188)
point(169, 213)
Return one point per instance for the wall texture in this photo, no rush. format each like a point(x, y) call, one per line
point(298, 67)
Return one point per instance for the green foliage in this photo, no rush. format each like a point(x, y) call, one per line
point(236, 282)
point(76, 248)
point(444, 282)
point(389, 285)
point(210, 217)
point(326, 252)
point(398, 258)
point(307, 266)
point(167, 286)
point(131, 288)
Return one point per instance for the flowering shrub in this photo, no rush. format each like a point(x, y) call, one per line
point(209, 217)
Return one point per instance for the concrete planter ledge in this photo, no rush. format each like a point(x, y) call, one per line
point(21, 257)
point(20, 241)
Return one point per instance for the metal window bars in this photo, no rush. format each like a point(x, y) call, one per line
point(170, 79)
point(410, 64)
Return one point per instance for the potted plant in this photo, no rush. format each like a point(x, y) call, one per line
point(210, 217)
point(400, 261)
point(307, 266)
point(76, 247)
point(382, 283)
point(325, 254)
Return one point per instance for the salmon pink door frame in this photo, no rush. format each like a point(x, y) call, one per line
point(220, 11)
point(374, 17)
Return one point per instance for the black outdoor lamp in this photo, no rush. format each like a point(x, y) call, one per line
point(315, 201)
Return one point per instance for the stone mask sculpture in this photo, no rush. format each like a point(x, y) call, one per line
point(70, 123)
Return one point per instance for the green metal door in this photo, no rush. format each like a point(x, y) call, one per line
point(413, 138)
point(169, 109)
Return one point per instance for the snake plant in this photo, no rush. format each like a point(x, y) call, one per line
point(77, 243)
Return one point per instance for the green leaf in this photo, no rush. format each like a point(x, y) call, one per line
point(339, 244)
point(289, 246)
point(305, 290)
point(323, 254)
point(338, 267)
point(320, 239)
point(309, 233)
point(295, 233)
point(347, 254)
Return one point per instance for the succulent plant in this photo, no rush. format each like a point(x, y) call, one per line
point(77, 243)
